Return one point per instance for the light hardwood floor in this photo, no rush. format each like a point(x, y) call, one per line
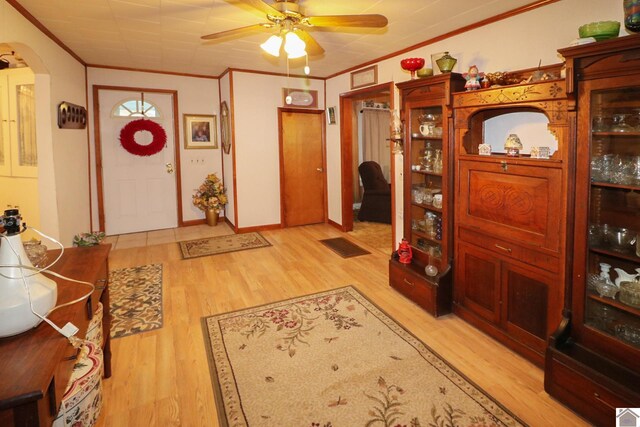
point(161, 378)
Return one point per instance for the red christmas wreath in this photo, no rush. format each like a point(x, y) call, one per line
point(128, 140)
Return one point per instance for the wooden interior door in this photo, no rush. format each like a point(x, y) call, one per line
point(302, 166)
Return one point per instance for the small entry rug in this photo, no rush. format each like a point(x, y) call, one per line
point(136, 299)
point(344, 247)
point(222, 244)
point(334, 359)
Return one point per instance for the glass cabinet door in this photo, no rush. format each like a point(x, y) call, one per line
point(426, 164)
point(612, 300)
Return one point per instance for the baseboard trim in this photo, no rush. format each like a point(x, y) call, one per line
point(258, 228)
point(335, 225)
point(192, 222)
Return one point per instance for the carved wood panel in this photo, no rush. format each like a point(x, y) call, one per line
point(513, 202)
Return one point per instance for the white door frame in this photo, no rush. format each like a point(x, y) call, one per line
point(98, 146)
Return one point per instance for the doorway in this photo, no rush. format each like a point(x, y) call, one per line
point(18, 145)
point(136, 192)
point(361, 111)
point(302, 166)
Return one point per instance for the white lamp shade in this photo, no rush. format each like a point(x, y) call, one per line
point(294, 46)
point(15, 301)
point(272, 45)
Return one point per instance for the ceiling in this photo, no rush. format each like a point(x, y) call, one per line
point(164, 35)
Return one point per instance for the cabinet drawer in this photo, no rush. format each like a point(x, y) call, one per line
point(591, 399)
point(414, 287)
point(510, 249)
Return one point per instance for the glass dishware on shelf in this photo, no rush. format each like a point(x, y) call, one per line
point(602, 316)
point(437, 161)
point(630, 292)
point(628, 333)
point(597, 164)
point(417, 194)
point(616, 169)
point(427, 159)
point(431, 270)
point(621, 239)
point(620, 123)
point(599, 123)
point(595, 235)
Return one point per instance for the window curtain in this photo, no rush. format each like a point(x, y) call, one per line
point(375, 134)
point(27, 125)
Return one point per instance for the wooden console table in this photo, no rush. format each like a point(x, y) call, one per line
point(36, 365)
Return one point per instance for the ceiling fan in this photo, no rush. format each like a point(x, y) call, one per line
point(292, 25)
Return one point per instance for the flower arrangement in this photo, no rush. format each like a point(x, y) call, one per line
point(88, 239)
point(211, 194)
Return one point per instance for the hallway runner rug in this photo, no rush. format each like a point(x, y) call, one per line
point(344, 247)
point(222, 244)
point(136, 299)
point(335, 359)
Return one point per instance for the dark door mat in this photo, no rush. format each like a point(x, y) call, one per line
point(344, 247)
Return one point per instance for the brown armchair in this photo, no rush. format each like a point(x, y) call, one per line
point(376, 200)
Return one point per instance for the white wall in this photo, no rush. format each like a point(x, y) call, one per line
point(63, 183)
point(256, 98)
point(516, 43)
point(195, 96)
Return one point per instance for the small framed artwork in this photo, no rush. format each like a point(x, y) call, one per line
point(200, 131)
point(331, 115)
point(364, 77)
point(301, 98)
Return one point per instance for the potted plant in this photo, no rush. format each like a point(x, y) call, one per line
point(88, 239)
point(211, 197)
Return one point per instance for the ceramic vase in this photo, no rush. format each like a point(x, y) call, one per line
point(212, 217)
point(446, 63)
point(632, 15)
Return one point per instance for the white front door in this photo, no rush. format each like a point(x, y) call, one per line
point(139, 192)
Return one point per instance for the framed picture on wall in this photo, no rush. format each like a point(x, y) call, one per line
point(331, 115)
point(364, 77)
point(200, 131)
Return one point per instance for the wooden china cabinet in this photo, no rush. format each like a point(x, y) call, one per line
point(428, 200)
point(593, 359)
point(511, 219)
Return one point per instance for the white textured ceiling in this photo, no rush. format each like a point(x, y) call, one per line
point(164, 35)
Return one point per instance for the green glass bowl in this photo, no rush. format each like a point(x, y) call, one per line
point(424, 72)
point(600, 30)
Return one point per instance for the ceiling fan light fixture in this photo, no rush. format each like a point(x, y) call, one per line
point(294, 45)
point(272, 45)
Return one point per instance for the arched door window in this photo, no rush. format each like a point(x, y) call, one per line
point(135, 108)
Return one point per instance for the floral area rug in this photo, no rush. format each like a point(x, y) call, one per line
point(136, 299)
point(334, 359)
point(222, 244)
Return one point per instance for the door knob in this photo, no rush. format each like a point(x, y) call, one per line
point(169, 167)
point(319, 169)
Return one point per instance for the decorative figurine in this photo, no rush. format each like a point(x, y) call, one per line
point(473, 78)
point(539, 152)
point(484, 149)
point(404, 252)
point(513, 145)
point(534, 153)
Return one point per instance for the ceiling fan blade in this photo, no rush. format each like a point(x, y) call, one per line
point(373, 20)
point(313, 48)
point(236, 31)
point(263, 7)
